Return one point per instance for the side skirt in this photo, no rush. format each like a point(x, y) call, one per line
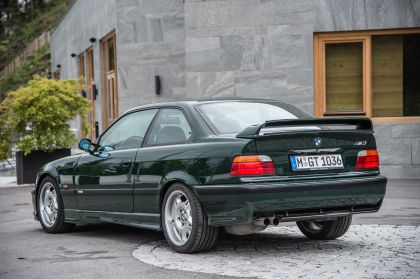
point(138, 220)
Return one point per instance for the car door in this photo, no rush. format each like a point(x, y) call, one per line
point(104, 177)
point(165, 150)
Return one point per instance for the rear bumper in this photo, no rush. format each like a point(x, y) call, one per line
point(291, 200)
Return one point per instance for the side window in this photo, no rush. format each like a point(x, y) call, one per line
point(129, 131)
point(170, 127)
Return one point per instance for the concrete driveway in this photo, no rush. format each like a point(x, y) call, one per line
point(106, 251)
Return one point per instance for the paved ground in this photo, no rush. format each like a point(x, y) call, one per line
point(106, 250)
point(366, 251)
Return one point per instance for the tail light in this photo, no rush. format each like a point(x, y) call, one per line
point(252, 165)
point(367, 159)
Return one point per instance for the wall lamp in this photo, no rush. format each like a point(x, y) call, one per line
point(58, 66)
point(92, 40)
point(73, 55)
point(158, 85)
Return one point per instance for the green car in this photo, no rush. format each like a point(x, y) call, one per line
point(191, 168)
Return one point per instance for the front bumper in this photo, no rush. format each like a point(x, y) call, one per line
point(294, 200)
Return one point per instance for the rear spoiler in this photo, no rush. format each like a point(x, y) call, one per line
point(254, 130)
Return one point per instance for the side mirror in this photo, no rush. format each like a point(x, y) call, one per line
point(85, 144)
point(105, 148)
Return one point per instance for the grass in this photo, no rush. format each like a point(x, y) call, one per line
point(14, 44)
point(40, 61)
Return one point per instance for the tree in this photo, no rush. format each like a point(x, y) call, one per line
point(40, 113)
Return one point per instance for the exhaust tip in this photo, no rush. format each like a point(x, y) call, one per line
point(276, 221)
point(266, 221)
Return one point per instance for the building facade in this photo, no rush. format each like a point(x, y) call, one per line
point(328, 57)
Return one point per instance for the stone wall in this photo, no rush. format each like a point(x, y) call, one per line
point(250, 48)
point(150, 42)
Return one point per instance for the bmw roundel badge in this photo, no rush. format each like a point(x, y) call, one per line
point(317, 142)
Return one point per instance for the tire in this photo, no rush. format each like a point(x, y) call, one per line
point(50, 204)
point(184, 222)
point(325, 230)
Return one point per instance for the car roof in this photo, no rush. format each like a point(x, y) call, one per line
point(189, 103)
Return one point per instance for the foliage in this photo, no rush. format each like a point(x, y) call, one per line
point(5, 132)
point(37, 64)
point(40, 111)
point(22, 21)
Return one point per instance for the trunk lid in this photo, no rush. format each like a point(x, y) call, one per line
point(284, 139)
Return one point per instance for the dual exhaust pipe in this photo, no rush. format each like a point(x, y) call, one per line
point(273, 221)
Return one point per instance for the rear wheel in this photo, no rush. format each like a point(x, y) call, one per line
point(184, 222)
point(324, 230)
point(50, 208)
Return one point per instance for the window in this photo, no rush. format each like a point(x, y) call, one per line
point(82, 65)
point(344, 76)
point(109, 85)
point(129, 131)
point(233, 117)
point(57, 74)
point(87, 71)
point(170, 127)
point(372, 73)
point(90, 88)
point(395, 78)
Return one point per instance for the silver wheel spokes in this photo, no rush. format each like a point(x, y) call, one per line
point(48, 205)
point(178, 218)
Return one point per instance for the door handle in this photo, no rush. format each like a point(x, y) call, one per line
point(108, 171)
point(125, 162)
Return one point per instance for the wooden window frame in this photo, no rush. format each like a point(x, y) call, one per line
point(321, 39)
point(90, 73)
point(82, 65)
point(104, 74)
point(90, 81)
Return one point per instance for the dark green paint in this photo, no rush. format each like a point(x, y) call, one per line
point(106, 182)
point(132, 194)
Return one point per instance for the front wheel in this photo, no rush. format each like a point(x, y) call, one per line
point(50, 208)
point(325, 230)
point(184, 222)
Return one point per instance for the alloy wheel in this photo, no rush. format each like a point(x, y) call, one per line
point(178, 218)
point(48, 204)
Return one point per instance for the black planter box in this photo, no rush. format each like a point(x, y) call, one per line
point(28, 166)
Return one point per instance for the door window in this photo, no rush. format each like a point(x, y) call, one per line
point(171, 127)
point(129, 131)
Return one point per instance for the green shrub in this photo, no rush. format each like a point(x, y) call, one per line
point(40, 113)
point(5, 132)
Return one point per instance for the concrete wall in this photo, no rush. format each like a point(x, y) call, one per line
point(227, 48)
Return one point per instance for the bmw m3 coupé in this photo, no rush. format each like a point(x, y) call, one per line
point(191, 168)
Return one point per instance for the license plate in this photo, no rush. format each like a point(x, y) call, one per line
point(316, 162)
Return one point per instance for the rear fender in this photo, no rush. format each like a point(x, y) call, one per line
point(177, 176)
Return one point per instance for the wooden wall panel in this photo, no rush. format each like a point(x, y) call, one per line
point(387, 76)
point(344, 76)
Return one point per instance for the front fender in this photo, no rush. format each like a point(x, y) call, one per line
point(45, 171)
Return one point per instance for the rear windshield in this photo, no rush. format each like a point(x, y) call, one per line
point(233, 117)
